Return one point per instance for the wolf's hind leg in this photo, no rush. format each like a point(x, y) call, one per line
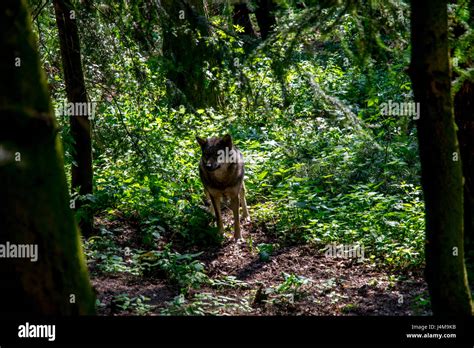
point(243, 202)
point(234, 204)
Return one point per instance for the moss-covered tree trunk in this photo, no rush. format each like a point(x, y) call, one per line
point(80, 126)
point(34, 204)
point(440, 159)
point(464, 115)
point(187, 54)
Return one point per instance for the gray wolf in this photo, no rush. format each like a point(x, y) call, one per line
point(221, 169)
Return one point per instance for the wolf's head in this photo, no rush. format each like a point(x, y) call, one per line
point(216, 151)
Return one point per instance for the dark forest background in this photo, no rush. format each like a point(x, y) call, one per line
point(301, 86)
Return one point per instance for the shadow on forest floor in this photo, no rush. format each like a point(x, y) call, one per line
point(294, 280)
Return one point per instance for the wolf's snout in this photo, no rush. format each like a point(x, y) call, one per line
point(210, 166)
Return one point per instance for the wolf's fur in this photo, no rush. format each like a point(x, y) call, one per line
point(223, 178)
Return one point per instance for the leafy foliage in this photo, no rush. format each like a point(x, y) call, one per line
point(323, 164)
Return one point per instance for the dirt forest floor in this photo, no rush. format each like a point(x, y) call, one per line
point(323, 285)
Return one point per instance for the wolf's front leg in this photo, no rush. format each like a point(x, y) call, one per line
point(216, 204)
point(209, 199)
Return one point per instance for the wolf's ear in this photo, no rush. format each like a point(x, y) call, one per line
point(227, 139)
point(201, 141)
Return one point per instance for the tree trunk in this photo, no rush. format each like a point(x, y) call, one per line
point(463, 110)
point(265, 17)
point(241, 17)
point(463, 106)
point(440, 162)
point(187, 55)
point(34, 204)
point(80, 127)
